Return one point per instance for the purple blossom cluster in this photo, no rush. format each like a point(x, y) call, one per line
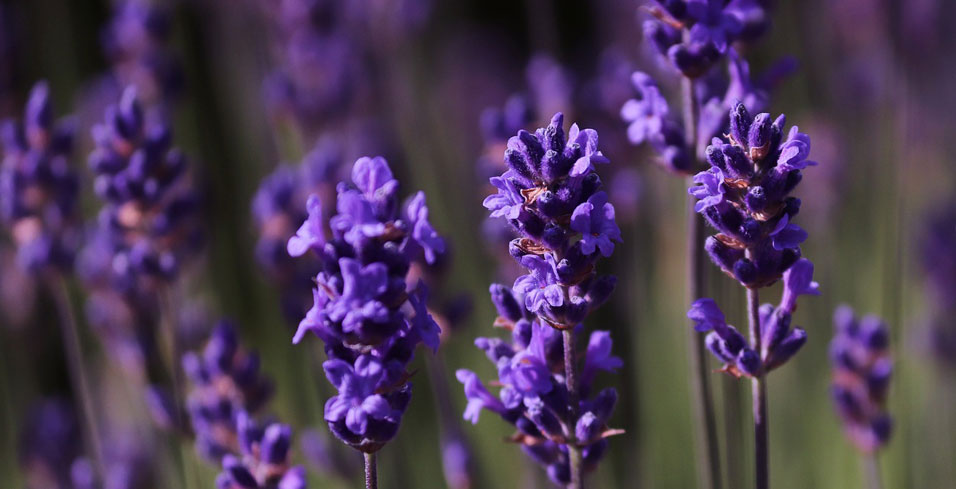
point(938, 240)
point(278, 206)
point(551, 195)
point(38, 187)
point(862, 367)
point(745, 196)
point(227, 387)
point(263, 461)
point(136, 44)
point(149, 218)
point(50, 449)
point(778, 340)
point(695, 34)
point(534, 396)
point(364, 310)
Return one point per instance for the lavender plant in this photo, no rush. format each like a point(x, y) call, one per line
point(745, 196)
point(227, 391)
point(551, 194)
point(38, 206)
point(862, 367)
point(364, 311)
point(694, 37)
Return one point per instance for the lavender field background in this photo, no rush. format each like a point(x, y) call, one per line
point(869, 80)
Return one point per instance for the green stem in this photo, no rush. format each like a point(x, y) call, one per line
point(759, 393)
point(871, 469)
point(570, 375)
point(77, 371)
point(708, 451)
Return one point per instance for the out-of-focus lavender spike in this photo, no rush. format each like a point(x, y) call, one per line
point(938, 240)
point(225, 382)
point(136, 42)
point(859, 353)
point(149, 219)
point(262, 460)
point(38, 187)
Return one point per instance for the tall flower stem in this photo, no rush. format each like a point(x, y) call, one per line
point(871, 470)
point(170, 347)
point(759, 393)
point(570, 376)
point(708, 452)
point(81, 386)
point(371, 471)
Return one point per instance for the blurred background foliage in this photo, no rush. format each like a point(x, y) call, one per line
point(873, 90)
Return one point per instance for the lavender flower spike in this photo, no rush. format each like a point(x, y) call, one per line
point(859, 354)
point(369, 319)
point(38, 189)
point(745, 195)
point(551, 195)
point(263, 459)
point(226, 382)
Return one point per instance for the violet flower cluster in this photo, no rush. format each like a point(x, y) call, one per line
point(368, 317)
point(226, 385)
point(278, 206)
point(136, 44)
point(862, 367)
point(38, 188)
point(534, 396)
point(695, 34)
point(149, 220)
point(779, 341)
point(263, 461)
point(551, 194)
point(938, 241)
point(745, 196)
point(50, 451)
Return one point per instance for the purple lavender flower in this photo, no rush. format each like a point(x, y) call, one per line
point(150, 212)
point(49, 442)
point(710, 25)
point(136, 44)
point(533, 395)
point(745, 196)
point(937, 243)
point(262, 462)
point(227, 385)
point(779, 342)
point(38, 189)
point(649, 121)
point(281, 202)
point(364, 310)
point(551, 195)
point(862, 369)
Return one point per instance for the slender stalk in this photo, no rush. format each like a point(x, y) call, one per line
point(708, 452)
point(759, 393)
point(170, 346)
point(77, 371)
point(871, 470)
point(371, 471)
point(570, 375)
